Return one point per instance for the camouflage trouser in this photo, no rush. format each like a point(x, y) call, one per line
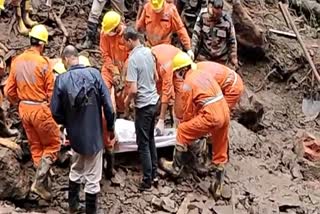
point(98, 6)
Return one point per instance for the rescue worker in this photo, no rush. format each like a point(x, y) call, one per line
point(59, 68)
point(159, 20)
point(214, 36)
point(206, 111)
point(168, 87)
point(22, 10)
point(93, 20)
point(229, 81)
point(30, 83)
point(114, 53)
point(77, 101)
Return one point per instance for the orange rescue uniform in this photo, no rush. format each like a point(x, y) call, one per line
point(31, 82)
point(206, 111)
point(168, 87)
point(159, 27)
point(229, 81)
point(115, 54)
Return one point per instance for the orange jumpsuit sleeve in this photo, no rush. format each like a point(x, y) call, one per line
point(167, 86)
point(10, 89)
point(107, 61)
point(141, 24)
point(187, 102)
point(47, 71)
point(180, 29)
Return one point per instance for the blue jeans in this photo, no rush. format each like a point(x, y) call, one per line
point(145, 124)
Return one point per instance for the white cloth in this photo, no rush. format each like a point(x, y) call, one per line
point(126, 134)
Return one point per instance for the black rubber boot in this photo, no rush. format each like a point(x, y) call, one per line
point(216, 187)
point(91, 203)
point(90, 37)
point(73, 198)
point(175, 167)
point(109, 157)
point(198, 150)
point(40, 185)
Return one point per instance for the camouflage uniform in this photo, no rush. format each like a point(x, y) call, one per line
point(214, 42)
point(190, 11)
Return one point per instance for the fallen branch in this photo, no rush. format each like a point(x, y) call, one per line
point(282, 33)
point(63, 28)
point(307, 55)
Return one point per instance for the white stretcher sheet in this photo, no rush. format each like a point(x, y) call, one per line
point(126, 135)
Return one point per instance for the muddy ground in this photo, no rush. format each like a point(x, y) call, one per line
point(265, 173)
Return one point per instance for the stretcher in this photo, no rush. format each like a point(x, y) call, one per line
point(126, 137)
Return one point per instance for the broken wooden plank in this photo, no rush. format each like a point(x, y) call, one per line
point(283, 33)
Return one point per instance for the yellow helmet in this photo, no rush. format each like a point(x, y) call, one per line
point(110, 21)
point(181, 60)
point(157, 4)
point(1, 4)
point(60, 69)
point(39, 32)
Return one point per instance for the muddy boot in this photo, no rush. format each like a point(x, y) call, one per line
point(109, 157)
point(176, 166)
point(216, 188)
point(198, 150)
point(40, 185)
point(91, 35)
point(73, 198)
point(91, 203)
point(22, 29)
point(26, 15)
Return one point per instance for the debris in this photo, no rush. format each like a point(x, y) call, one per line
point(282, 33)
point(223, 210)
point(194, 211)
point(115, 209)
point(156, 201)
point(310, 146)
point(169, 205)
point(14, 180)
point(165, 190)
point(183, 209)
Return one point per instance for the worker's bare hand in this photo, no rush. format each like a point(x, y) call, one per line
point(234, 62)
point(111, 135)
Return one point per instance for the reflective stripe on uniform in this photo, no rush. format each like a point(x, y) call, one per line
point(30, 102)
point(213, 99)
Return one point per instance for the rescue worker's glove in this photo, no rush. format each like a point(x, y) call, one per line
point(191, 54)
point(160, 128)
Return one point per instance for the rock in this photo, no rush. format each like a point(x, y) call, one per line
point(166, 190)
point(204, 186)
point(6, 210)
point(194, 211)
point(209, 204)
point(64, 205)
point(249, 111)
point(14, 180)
point(226, 192)
point(295, 171)
point(156, 202)
point(169, 205)
point(52, 212)
point(223, 210)
point(115, 209)
point(197, 205)
point(183, 209)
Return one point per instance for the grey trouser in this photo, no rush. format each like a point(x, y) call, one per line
point(98, 5)
point(87, 169)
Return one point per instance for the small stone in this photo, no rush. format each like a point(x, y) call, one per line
point(166, 190)
point(43, 203)
point(52, 212)
point(169, 205)
point(194, 211)
point(223, 209)
point(226, 192)
point(156, 202)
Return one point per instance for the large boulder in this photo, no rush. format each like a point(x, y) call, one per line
point(14, 182)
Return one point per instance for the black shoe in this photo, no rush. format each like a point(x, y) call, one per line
point(144, 186)
point(73, 198)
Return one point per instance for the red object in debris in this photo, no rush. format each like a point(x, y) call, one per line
point(311, 147)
